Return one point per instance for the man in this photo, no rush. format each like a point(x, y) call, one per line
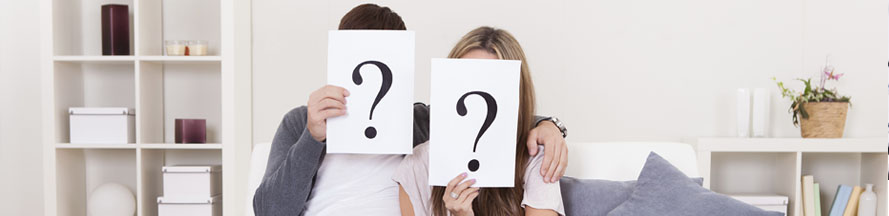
point(301, 179)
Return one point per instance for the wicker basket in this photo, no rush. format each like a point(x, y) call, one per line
point(826, 119)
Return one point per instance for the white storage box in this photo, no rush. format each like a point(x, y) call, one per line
point(192, 181)
point(107, 125)
point(175, 206)
point(776, 203)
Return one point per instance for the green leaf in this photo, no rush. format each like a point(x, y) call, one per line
point(795, 112)
point(808, 89)
point(802, 111)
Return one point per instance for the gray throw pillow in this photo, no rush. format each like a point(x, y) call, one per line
point(596, 197)
point(665, 191)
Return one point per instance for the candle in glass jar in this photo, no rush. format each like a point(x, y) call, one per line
point(197, 48)
point(175, 48)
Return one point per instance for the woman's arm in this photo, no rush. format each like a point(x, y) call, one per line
point(407, 209)
point(540, 198)
point(293, 162)
point(529, 211)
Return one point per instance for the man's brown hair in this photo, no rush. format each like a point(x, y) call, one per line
point(372, 16)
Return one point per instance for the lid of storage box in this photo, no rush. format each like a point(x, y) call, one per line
point(191, 169)
point(188, 200)
point(101, 111)
point(762, 199)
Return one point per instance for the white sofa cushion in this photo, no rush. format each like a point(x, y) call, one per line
point(623, 161)
point(258, 160)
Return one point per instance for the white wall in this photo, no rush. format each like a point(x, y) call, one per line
point(612, 70)
point(21, 157)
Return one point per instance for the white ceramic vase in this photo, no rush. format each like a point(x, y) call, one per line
point(867, 205)
point(111, 199)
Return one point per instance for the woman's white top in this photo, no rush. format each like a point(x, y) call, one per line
point(413, 175)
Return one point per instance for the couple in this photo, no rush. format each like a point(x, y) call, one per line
point(301, 179)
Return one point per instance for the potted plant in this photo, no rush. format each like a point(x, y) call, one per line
point(818, 111)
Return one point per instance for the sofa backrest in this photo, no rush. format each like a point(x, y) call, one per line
point(622, 161)
point(619, 161)
point(258, 160)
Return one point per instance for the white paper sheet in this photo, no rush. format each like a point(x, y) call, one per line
point(452, 136)
point(392, 118)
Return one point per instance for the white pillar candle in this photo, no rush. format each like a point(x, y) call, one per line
point(743, 112)
point(175, 48)
point(760, 112)
point(197, 50)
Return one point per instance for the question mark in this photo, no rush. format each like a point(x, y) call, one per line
point(371, 132)
point(492, 114)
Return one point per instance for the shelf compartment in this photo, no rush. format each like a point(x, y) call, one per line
point(90, 84)
point(80, 171)
point(743, 173)
point(178, 90)
point(178, 20)
point(77, 26)
point(853, 169)
point(153, 160)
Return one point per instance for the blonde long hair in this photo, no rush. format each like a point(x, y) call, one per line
point(499, 201)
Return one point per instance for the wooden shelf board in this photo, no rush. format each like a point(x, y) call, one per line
point(95, 146)
point(180, 146)
point(180, 58)
point(95, 59)
point(851, 145)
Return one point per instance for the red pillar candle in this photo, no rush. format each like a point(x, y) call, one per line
point(191, 131)
point(115, 29)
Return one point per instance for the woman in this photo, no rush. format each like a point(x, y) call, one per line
point(531, 196)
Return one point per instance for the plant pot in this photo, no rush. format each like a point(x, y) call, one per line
point(826, 119)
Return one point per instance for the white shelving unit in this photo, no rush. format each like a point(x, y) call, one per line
point(776, 166)
point(160, 88)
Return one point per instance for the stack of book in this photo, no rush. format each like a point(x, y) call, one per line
point(845, 202)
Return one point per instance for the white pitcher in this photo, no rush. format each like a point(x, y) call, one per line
point(867, 205)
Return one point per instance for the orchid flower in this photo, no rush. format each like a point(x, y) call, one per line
point(831, 74)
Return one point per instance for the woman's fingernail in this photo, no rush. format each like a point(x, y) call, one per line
point(463, 174)
point(472, 180)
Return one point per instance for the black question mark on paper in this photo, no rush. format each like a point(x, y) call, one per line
point(371, 132)
point(489, 118)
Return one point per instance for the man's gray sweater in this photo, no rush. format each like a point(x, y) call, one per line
point(294, 160)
